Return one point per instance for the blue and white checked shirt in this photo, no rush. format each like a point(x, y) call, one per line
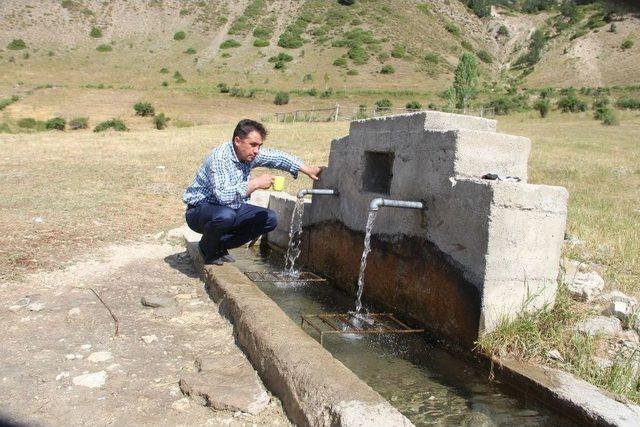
point(222, 178)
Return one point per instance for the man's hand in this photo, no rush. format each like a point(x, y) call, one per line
point(312, 172)
point(263, 181)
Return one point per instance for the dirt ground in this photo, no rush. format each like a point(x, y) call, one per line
point(56, 330)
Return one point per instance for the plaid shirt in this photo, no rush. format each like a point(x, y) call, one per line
point(222, 178)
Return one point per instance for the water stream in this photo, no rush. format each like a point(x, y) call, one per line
point(428, 384)
point(363, 261)
point(295, 237)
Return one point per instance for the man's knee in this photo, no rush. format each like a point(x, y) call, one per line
point(223, 217)
point(272, 220)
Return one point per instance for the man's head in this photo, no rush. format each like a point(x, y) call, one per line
point(248, 137)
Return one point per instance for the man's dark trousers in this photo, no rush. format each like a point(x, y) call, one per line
point(225, 228)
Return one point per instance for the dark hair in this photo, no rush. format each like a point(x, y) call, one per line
point(246, 126)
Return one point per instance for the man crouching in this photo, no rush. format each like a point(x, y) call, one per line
point(216, 199)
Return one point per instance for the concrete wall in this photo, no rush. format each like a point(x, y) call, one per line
point(498, 242)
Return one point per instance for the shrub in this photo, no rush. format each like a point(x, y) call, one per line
point(229, 44)
point(56, 123)
point(281, 98)
point(346, 2)
point(452, 28)
point(413, 105)
point(160, 121)
point(27, 123)
point(290, 40)
point(388, 69)
point(603, 112)
point(383, 104)
point(261, 33)
point(115, 124)
point(503, 31)
point(190, 51)
point(399, 51)
point(104, 48)
point(164, 71)
point(180, 35)
point(485, 56)
point(282, 57)
point(358, 55)
point(543, 106)
point(178, 77)
point(95, 32)
point(432, 57)
point(223, 88)
point(17, 44)
point(537, 42)
point(260, 43)
point(340, 62)
point(466, 45)
point(627, 44)
point(279, 65)
point(165, 84)
point(571, 104)
point(629, 103)
point(144, 109)
point(79, 123)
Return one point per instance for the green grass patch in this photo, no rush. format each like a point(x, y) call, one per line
point(16, 44)
point(56, 123)
point(95, 32)
point(115, 124)
point(190, 51)
point(104, 48)
point(230, 44)
point(260, 43)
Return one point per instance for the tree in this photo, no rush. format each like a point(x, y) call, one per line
point(465, 81)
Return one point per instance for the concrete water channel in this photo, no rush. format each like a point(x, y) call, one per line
point(424, 381)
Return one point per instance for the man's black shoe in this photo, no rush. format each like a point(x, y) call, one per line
point(214, 261)
point(226, 256)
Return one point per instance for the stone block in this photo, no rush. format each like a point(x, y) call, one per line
point(283, 204)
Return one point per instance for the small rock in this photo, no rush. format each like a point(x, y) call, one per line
point(99, 356)
point(74, 356)
point(161, 167)
point(23, 302)
point(600, 325)
point(93, 380)
point(617, 296)
point(62, 375)
point(159, 235)
point(15, 308)
point(35, 306)
point(86, 346)
point(573, 240)
point(74, 312)
point(619, 309)
point(148, 339)
point(113, 366)
point(37, 219)
point(181, 405)
point(155, 301)
point(555, 355)
point(602, 362)
point(183, 296)
point(176, 233)
point(583, 285)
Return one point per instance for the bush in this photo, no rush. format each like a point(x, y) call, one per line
point(95, 32)
point(383, 104)
point(160, 121)
point(432, 58)
point(229, 44)
point(281, 98)
point(104, 48)
point(452, 28)
point(238, 92)
point(537, 42)
point(413, 105)
point(115, 124)
point(144, 109)
point(178, 77)
point(627, 44)
point(503, 31)
point(223, 88)
point(79, 123)
point(571, 104)
point(17, 44)
point(27, 123)
point(282, 57)
point(399, 51)
point(629, 103)
point(260, 43)
point(57, 123)
point(358, 55)
point(388, 69)
point(543, 106)
point(603, 112)
point(346, 2)
point(261, 33)
point(180, 35)
point(340, 62)
point(190, 51)
point(485, 56)
point(164, 71)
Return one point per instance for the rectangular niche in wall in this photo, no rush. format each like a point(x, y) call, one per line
point(378, 172)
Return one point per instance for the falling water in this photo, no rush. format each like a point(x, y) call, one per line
point(295, 237)
point(363, 260)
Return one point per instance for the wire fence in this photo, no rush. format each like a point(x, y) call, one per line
point(349, 113)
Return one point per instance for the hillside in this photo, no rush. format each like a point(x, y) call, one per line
point(180, 49)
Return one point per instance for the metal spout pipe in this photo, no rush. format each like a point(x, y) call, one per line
point(377, 203)
point(318, 191)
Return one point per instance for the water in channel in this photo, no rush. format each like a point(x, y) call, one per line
point(363, 261)
point(429, 385)
point(295, 236)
